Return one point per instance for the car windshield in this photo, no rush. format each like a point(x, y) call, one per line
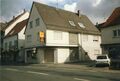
point(101, 57)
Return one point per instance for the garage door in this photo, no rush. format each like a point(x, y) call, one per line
point(49, 55)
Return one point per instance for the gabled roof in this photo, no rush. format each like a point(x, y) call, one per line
point(114, 19)
point(2, 25)
point(12, 21)
point(17, 28)
point(58, 19)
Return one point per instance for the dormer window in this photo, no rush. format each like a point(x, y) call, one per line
point(81, 25)
point(72, 23)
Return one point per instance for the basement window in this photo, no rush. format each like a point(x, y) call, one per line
point(72, 23)
point(81, 25)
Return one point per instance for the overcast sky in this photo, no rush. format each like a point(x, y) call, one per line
point(96, 10)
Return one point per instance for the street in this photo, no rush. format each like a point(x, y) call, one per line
point(53, 73)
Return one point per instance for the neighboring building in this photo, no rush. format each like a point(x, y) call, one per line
point(8, 28)
point(111, 34)
point(14, 21)
point(14, 41)
point(2, 25)
point(59, 36)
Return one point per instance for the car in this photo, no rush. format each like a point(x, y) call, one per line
point(102, 60)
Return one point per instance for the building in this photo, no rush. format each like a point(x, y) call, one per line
point(10, 32)
point(59, 36)
point(14, 42)
point(2, 25)
point(111, 34)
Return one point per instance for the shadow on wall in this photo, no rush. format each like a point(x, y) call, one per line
point(83, 55)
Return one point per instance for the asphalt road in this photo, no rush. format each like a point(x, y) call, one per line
point(26, 73)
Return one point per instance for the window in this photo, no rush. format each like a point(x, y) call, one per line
point(10, 44)
point(29, 38)
point(81, 25)
point(37, 22)
point(6, 45)
point(72, 23)
point(96, 38)
point(15, 43)
point(85, 37)
point(119, 32)
point(57, 35)
point(114, 33)
point(31, 24)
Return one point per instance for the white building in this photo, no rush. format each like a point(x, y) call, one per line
point(59, 36)
point(14, 21)
point(14, 35)
point(110, 31)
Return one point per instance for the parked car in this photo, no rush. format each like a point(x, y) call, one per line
point(102, 60)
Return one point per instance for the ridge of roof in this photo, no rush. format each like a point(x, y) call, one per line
point(13, 20)
point(17, 28)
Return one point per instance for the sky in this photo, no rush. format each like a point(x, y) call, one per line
point(96, 10)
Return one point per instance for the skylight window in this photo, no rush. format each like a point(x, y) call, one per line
point(72, 23)
point(81, 25)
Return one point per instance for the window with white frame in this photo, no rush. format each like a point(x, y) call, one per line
point(116, 33)
point(96, 38)
point(57, 35)
point(72, 23)
point(81, 25)
point(37, 21)
point(29, 38)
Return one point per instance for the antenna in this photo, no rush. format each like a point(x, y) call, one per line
point(57, 4)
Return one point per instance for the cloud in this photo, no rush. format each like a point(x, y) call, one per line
point(100, 11)
point(70, 7)
point(96, 10)
point(97, 2)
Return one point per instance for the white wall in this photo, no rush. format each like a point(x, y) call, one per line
point(21, 38)
point(50, 41)
point(34, 31)
point(8, 39)
point(23, 17)
point(90, 45)
point(62, 55)
point(107, 35)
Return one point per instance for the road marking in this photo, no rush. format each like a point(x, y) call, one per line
point(81, 79)
point(10, 69)
point(37, 73)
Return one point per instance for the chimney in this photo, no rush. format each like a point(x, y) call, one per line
point(78, 13)
point(24, 11)
point(13, 17)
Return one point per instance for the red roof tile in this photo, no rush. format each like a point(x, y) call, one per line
point(12, 21)
point(114, 19)
point(17, 28)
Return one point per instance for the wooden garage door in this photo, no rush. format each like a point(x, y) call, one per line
point(49, 55)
